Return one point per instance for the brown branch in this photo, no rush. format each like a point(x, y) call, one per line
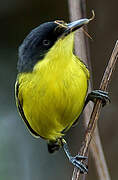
point(98, 156)
point(77, 10)
point(97, 107)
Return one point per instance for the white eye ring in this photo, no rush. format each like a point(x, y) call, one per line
point(46, 42)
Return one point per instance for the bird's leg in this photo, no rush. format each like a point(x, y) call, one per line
point(98, 94)
point(75, 160)
point(93, 96)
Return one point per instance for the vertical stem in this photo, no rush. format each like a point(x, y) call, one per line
point(98, 156)
point(77, 9)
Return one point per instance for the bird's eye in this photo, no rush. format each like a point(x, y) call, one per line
point(46, 42)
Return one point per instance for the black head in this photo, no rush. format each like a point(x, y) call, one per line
point(41, 39)
point(37, 44)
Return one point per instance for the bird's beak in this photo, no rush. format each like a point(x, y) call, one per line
point(73, 26)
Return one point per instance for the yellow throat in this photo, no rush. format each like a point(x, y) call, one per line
point(53, 94)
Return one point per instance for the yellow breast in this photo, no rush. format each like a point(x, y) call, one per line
point(53, 94)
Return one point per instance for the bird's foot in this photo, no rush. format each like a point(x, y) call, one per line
point(76, 161)
point(99, 94)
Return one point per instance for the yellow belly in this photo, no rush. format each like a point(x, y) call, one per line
point(53, 99)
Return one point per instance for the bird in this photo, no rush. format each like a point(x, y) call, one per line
point(52, 83)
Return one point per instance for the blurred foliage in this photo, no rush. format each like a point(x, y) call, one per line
point(22, 156)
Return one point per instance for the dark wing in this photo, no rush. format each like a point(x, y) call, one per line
point(19, 106)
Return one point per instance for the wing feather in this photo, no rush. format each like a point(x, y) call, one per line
point(19, 104)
